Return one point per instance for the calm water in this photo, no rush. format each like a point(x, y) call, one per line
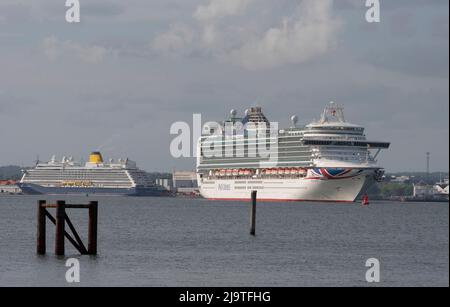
point(192, 242)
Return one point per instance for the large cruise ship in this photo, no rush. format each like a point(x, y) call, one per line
point(120, 177)
point(326, 160)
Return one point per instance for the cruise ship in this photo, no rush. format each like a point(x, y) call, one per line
point(327, 160)
point(121, 177)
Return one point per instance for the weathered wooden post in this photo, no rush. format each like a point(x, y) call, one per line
point(60, 233)
point(253, 215)
point(60, 227)
point(92, 232)
point(41, 228)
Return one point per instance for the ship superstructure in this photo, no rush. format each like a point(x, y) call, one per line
point(326, 160)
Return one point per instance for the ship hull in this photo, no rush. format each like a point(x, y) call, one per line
point(33, 189)
point(347, 189)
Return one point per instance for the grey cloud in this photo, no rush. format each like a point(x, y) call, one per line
point(53, 48)
point(13, 105)
point(103, 8)
point(419, 59)
point(391, 77)
point(299, 35)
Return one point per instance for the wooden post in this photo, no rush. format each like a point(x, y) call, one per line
point(79, 243)
point(92, 232)
point(60, 227)
point(253, 215)
point(41, 227)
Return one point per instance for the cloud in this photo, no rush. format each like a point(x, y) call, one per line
point(12, 103)
point(372, 71)
point(297, 40)
point(103, 8)
point(50, 48)
point(53, 48)
point(217, 9)
point(177, 38)
point(298, 37)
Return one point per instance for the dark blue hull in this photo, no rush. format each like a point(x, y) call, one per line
point(33, 189)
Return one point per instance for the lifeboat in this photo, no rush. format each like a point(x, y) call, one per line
point(229, 172)
point(247, 172)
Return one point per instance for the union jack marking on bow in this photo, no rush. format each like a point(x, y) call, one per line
point(335, 173)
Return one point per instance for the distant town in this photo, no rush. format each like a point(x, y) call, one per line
point(401, 186)
point(412, 186)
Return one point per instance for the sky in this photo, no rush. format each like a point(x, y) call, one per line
point(120, 78)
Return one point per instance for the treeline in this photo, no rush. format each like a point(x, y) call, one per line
point(390, 187)
point(418, 177)
point(11, 172)
point(385, 190)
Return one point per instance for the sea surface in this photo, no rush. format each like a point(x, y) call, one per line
point(195, 242)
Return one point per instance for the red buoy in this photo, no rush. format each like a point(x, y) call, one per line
point(365, 200)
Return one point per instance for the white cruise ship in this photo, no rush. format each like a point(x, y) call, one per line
point(120, 177)
point(327, 160)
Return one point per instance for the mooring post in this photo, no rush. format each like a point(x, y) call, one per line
point(60, 227)
point(41, 227)
point(253, 215)
point(92, 232)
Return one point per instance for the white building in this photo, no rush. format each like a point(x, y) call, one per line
point(185, 182)
point(10, 189)
point(436, 191)
point(423, 190)
point(400, 179)
point(165, 183)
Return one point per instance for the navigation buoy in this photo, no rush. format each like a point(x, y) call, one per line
point(365, 200)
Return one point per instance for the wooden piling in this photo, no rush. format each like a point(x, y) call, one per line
point(60, 227)
point(41, 228)
point(253, 215)
point(79, 243)
point(60, 220)
point(92, 232)
point(66, 234)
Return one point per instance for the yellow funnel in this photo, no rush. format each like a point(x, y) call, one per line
point(96, 157)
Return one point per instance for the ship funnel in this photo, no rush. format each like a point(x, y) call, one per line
point(96, 157)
